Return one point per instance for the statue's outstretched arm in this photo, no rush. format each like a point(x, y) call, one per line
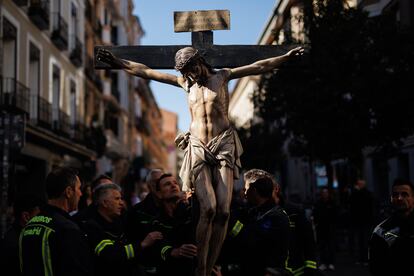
point(265, 65)
point(137, 69)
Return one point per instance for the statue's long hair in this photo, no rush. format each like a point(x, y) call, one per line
point(190, 56)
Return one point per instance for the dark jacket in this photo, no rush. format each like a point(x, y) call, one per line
point(52, 244)
point(391, 246)
point(140, 217)
point(146, 217)
point(9, 251)
point(264, 240)
point(325, 214)
point(85, 214)
point(362, 207)
point(177, 230)
point(113, 255)
point(302, 244)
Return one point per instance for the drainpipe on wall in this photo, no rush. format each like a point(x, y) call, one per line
point(3, 198)
point(1, 38)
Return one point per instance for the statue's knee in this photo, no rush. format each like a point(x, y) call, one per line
point(222, 217)
point(208, 214)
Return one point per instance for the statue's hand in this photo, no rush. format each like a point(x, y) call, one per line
point(298, 51)
point(184, 251)
point(107, 57)
point(181, 141)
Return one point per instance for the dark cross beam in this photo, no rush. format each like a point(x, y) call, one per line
point(218, 56)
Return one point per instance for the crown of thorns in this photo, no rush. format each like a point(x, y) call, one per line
point(184, 57)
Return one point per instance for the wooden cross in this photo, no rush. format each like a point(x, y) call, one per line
point(200, 24)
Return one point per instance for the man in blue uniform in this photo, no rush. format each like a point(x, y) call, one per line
point(113, 254)
point(392, 242)
point(264, 237)
point(51, 243)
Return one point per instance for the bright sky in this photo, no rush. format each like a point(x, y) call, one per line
point(247, 20)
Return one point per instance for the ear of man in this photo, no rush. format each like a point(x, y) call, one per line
point(68, 192)
point(105, 203)
point(25, 216)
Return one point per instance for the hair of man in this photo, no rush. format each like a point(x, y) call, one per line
point(26, 203)
point(158, 182)
point(149, 179)
point(402, 182)
point(254, 174)
point(58, 179)
point(263, 187)
point(97, 181)
point(101, 193)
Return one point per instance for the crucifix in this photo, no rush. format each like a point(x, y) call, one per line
point(212, 148)
point(218, 56)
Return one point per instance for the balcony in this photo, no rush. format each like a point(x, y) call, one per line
point(76, 52)
point(59, 34)
point(61, 122)
point(79, 132)
point(64, 123)
point(21, 3)
point(39, 13)
point(14, 96)
point(34, 107)
point(45, 113)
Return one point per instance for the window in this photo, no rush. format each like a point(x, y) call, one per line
point(106, 17)
point(73, 115)
point(74, 26)
point(34, 79)
point(9, 49)
point(56, 93)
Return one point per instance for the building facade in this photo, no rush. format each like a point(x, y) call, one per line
point(280, 29)
point(42, 88)
point(149, 128)
point(300, 177)
point(56, 109)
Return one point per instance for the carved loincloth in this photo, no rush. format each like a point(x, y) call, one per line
point(223, 150)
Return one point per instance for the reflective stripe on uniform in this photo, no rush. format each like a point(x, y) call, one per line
point(102, 245)
point(129, 249)
point(297, 272)
point(47, 259)
point(310, 264)
point(163, 251)
point(236, 229)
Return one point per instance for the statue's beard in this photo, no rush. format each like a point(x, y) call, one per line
point(200, 80)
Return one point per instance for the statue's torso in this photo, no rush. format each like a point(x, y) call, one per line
point(209, 107)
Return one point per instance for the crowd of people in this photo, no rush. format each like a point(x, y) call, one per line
point(99, 233)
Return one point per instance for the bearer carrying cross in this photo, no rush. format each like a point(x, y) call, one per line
point(212, 147)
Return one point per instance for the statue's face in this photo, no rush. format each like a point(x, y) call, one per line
point(193, 71)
